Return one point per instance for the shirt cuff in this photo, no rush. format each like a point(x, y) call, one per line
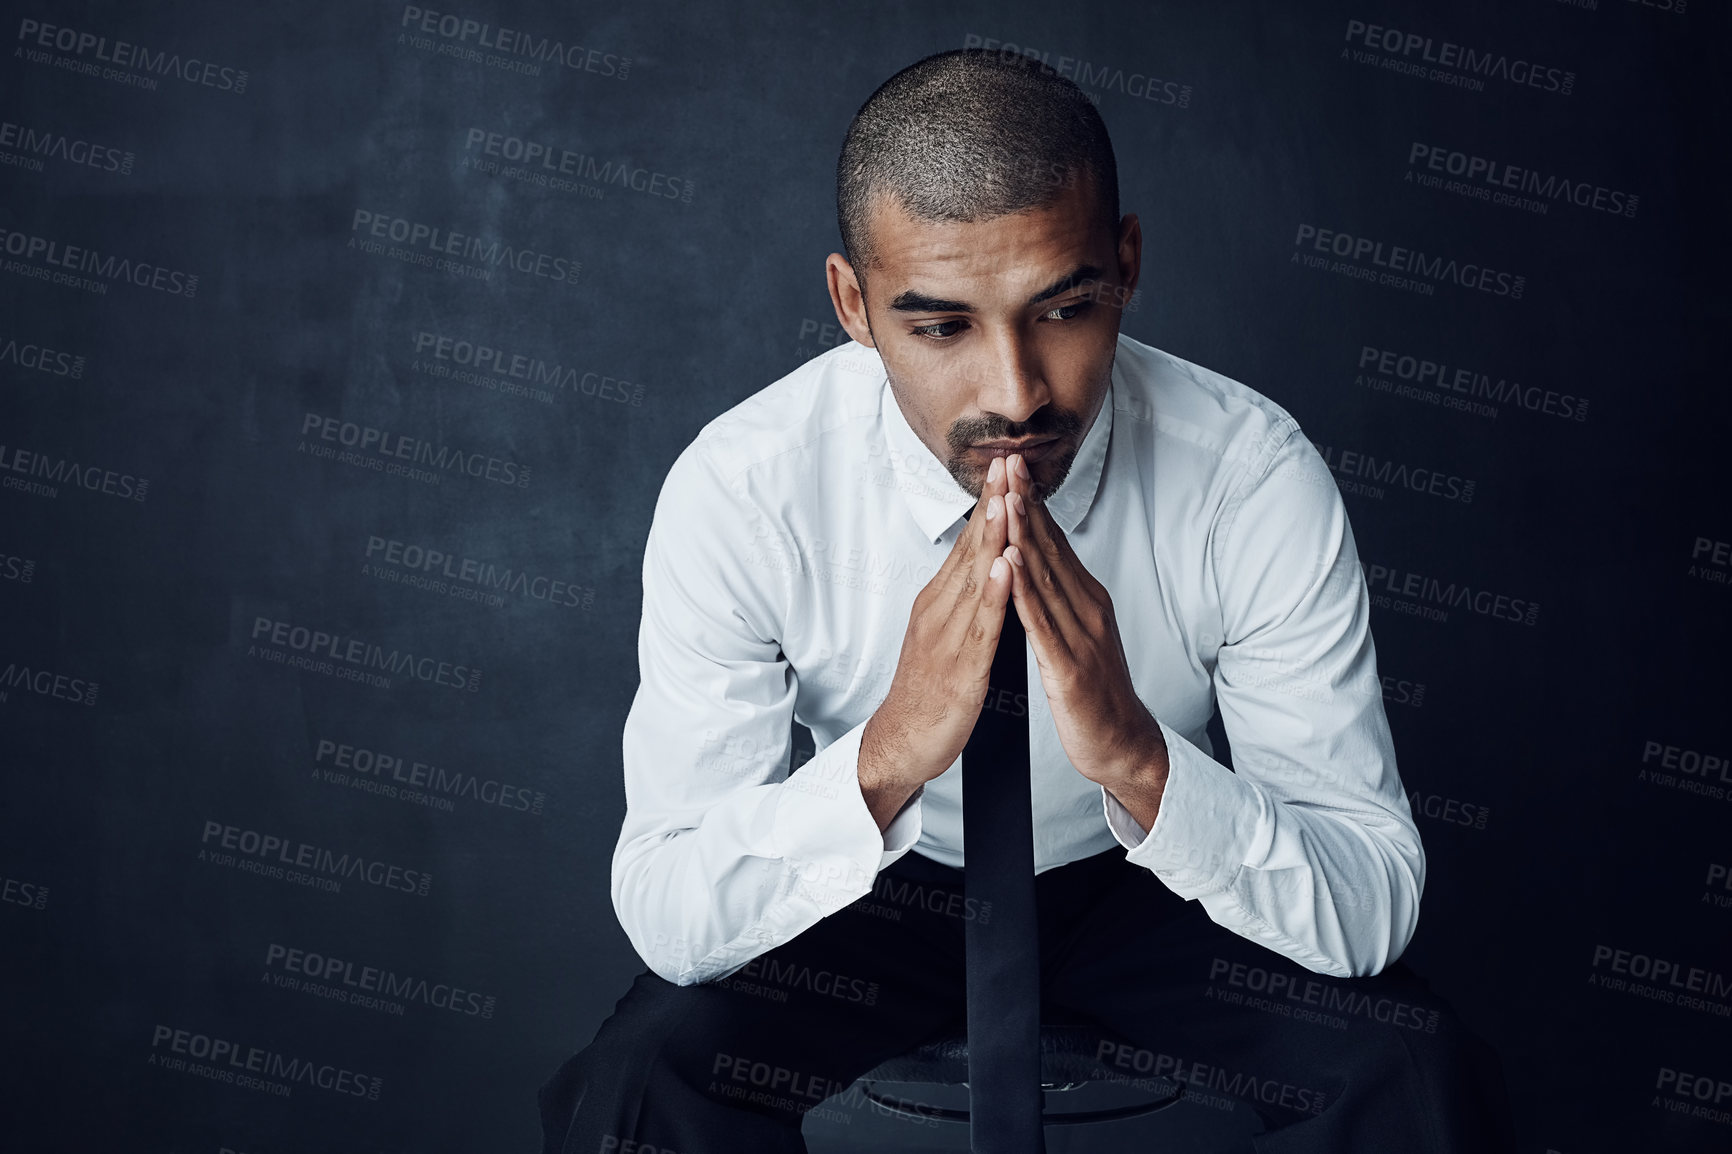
point(904, 829)
point(826, 834)
point(1211, 821)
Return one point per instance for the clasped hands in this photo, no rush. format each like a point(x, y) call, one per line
point(1012, 548)
point(1106, 730)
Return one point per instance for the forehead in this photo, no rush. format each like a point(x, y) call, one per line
point(1001, 255)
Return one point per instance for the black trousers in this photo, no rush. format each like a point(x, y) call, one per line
point(1337, 1065)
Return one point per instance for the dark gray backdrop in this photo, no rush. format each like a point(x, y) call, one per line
point(311, 546)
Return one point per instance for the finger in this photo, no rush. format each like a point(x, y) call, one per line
point(1040, 581)
point(994, 535)
point(1050, 542)
point(1050, 643)
point(987, 624)
point(1088, 600)
point(1049, 532)
point(1054, 567)
point(953, 574)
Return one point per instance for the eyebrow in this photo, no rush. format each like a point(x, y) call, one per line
point(915, 302)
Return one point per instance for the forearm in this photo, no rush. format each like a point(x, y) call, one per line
point(1143, 783)
point(1333, 888)
point(1339, 894)
point(885, 782)
point(703, 888)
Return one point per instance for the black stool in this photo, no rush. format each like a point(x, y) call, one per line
point(1068, 1048)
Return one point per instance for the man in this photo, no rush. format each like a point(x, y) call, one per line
point(840, 549)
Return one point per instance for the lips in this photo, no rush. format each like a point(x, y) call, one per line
point(1031, 451)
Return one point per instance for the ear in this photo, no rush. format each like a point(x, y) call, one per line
point(847, 298)
point(1130, 252)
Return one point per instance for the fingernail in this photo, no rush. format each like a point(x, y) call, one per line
point(997, 570)
point(1021, 467)
point(991, 508)
point(1015, 555)
point(1017, 497)
point(995, 470)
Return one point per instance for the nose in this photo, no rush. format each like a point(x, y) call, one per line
point(1013, 381)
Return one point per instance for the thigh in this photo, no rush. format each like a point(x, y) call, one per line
point(1377, 1062)
point(735, 1063)
point(804, 1020)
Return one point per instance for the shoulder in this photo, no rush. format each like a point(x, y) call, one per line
point(815, 413)
point(1258, 490)
point(1202, 429)
point(776, 450)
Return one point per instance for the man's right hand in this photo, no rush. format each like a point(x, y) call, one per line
point(926, 718)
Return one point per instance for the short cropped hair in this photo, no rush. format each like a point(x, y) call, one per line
point(968, 135)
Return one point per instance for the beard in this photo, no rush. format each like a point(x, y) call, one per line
point(1045, 475)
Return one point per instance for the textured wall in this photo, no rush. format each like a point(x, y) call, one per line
point(344, 348)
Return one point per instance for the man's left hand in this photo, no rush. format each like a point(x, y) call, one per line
point(1106, 730)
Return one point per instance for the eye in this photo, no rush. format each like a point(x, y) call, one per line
point(931, 333)
point(1071, 311)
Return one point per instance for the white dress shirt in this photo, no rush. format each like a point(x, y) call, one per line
point(788, 543)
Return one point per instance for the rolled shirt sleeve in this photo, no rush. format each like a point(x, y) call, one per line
point(1308, 844)
point(723, 854)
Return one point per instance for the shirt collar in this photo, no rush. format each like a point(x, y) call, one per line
point(937, 502)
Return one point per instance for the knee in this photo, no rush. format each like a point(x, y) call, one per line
point(632, 1038)
point(557, 1101)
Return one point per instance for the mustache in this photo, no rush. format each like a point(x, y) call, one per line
point(968, 432)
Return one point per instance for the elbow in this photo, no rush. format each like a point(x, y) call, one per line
point(1405, 882)
point(668, 956)
point(1408, 885)
point(1372, 914)
point(666, 953)
point(674, 974)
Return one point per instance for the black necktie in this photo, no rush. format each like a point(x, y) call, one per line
point(1002, 949)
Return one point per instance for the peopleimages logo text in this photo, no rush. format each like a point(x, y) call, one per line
point(1440, 376)
point(40, 358)
point(354, 651)
point(513, 42)
point(553, 160)
point(43, 142)
point(361, 979)
point(231, 1061)
point(121, 54)
point(283, 851)
point(1418, 50)
point(55, 470)
point(417, 235)
point(1411, 262)
point(1502, 179)
point(51, 253)
point(1385, 581)
point(383, 443)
